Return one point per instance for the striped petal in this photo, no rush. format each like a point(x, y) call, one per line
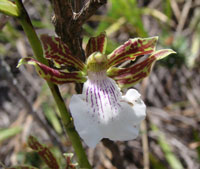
point(59, 52)
point(53, 75)
point(127, 77)
point(96, 44)
point(131, 49)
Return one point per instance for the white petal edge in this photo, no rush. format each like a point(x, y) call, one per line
point(133, 99)
point(84, 124)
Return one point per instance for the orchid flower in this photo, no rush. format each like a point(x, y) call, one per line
point(102, 111)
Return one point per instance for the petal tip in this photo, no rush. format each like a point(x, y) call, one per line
point(154, 40)
point(164, 53)
point(22, 62)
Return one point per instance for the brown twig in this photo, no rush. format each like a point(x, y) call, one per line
point(68, 23)
point(88, 10)
point(77, 5)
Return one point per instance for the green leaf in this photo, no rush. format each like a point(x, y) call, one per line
point(156, 163)
point(9, 8)
point(52, 118)
point(9, 132)
point(43, 152)
point(197, 139)
point(166, 148)
point(54, 75)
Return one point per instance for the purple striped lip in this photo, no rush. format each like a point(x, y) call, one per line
point(102, 96)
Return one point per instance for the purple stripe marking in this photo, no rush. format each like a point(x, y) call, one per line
point(107, 94)
point(87, 94)
point(91, 97)
point(114, 88)
point(113, 93)
point(114, 102)
point(100, 99)
point(103, 90)
point(96, 98)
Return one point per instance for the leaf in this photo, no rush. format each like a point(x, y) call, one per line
point(96, 44)
point(155, 162)
point(197, 140)
point(126, 77)
point(9, 132)
point(53, 75)
point(9, 8)
point(59, 52)
point(131, 49)
point(43, 152)
point(166, 148)
point(22, 167)
point(52, 118)
point(115, 26)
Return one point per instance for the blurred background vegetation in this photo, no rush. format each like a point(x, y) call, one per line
point(170, 136)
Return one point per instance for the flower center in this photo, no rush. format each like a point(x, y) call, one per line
point(102, 96)
point(97, 62)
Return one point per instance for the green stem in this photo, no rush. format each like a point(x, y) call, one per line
point(66, 118)
point(69, 127)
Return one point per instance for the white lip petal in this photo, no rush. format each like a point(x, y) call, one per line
point(132, 95)
point(102, 112)
point(134, 107)
point(117, 130)
point(84, 123)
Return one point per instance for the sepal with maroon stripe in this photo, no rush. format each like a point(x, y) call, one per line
point(131, 49)
point(59, 52)
point(54, 75)
point(96, 44)
point(127, 77)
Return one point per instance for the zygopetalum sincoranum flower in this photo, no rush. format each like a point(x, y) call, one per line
point(101, 111)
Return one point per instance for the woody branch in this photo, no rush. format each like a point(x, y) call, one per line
point(68, 22)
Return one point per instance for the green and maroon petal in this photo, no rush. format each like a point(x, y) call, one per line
point(53, 75)
point(127, 77)
point(131, 49)
point(96, 44)
point(43, 152)
point(22, 167)
point(59, 52)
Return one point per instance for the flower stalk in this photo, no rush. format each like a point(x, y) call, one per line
point(65, 116)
